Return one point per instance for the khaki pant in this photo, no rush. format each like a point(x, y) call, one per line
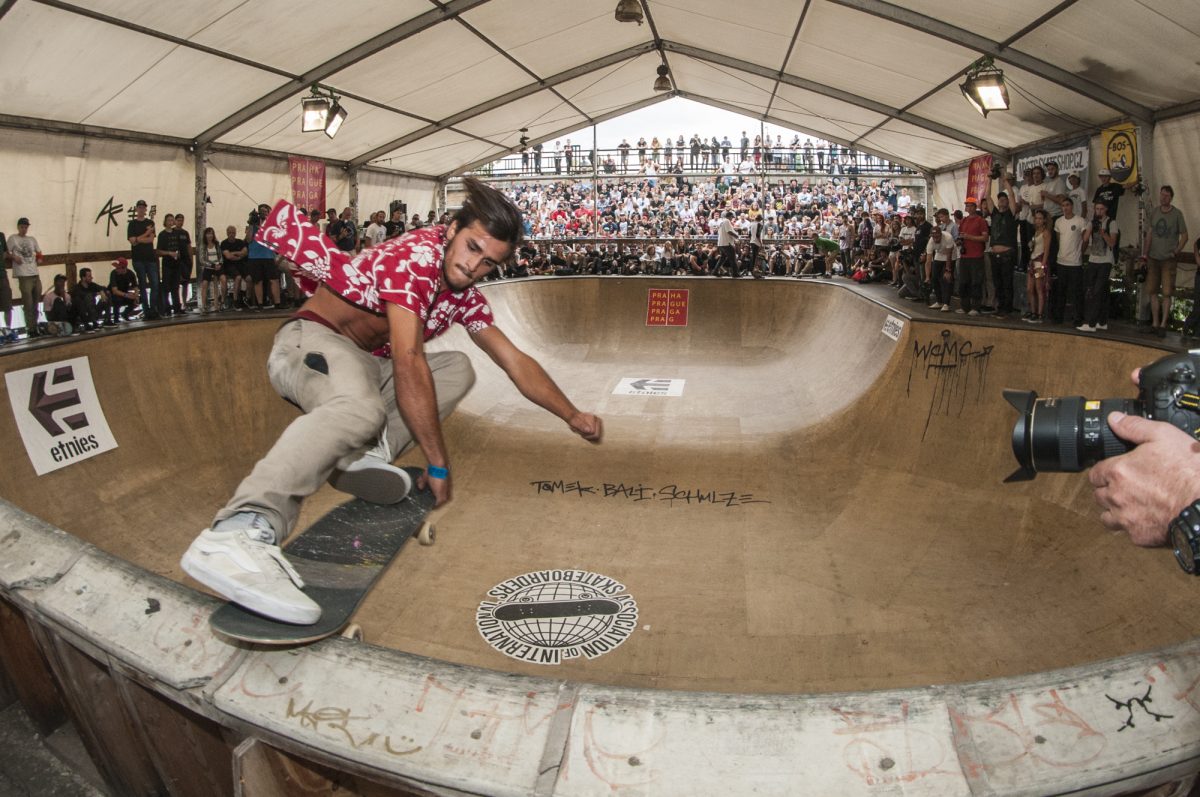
point(347, 396)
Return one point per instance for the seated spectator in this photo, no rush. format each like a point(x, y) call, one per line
point(89, 302)
point(56, 304)
point(125, 299)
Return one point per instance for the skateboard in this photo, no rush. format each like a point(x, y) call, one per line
point(339, 557)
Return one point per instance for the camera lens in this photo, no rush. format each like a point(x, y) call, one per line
point(1064, 434)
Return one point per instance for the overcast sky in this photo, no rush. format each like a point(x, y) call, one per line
point(675, 117)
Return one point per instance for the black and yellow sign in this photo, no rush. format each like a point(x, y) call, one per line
point(1121, 153)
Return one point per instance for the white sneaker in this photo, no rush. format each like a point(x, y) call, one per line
point(972, 312)
point(1101, 327)
point(250, 572)
point(960, 311)
point(934, 305)
point(945, 308)
point(1086, 328)
point(372, 477)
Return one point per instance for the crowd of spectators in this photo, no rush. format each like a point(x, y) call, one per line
point(1040, 250)
point(696, 153)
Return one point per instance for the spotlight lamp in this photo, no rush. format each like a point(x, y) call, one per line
point(629, 11)
point(662, 82)
point(322, 112)
point(984, 87)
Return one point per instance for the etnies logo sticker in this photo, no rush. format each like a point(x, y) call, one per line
point(58, 414)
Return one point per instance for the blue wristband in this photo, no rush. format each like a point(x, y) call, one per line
point(438, 473)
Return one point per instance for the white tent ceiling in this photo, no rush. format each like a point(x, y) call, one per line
point(433, 86)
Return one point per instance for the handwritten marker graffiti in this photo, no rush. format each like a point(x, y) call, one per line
point(958, 370)
point(548, 616)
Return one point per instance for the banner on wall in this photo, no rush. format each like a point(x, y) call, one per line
point(1071, 156)
point(1121, 153)
point(308, 182)
point(979, 180)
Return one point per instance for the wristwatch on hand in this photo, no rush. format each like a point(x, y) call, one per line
point(1184, 532)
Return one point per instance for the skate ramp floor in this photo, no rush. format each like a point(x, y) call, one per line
point(820, 509)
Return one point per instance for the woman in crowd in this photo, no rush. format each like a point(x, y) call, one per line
point(1037, 281)
point(212, 274)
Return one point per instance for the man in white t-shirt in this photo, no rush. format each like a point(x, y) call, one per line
point(26, 254)
point(1054, 191)
point(1074, 232)
point(376, 232)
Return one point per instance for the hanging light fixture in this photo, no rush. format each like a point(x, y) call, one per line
point(629, 11)
point(321, 112)
point(662, 82)
point(984, 87)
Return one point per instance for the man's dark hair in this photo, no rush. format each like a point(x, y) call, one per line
point(493, 210)
point(1002, 194)
point(83, 272)
point(1169, 190)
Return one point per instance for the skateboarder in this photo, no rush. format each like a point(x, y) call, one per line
point(361, 407)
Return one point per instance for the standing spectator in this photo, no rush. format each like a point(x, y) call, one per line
point(212, 272)
point(726, 238)
point(124, 292)
point(376, 232)
point(145, 262)
point(233, 255)
point(1109, 193)
point(185, 259)
point(1037, 280)
point(90, 302)
point(1054, 190)
point(744, 150)
point(7, 335)
point(726, 144)
point(641, 148)
point(260, 259)
point(1003, 239)
point(344, 232)
point(168, 250)
point(939, 261)
point(668, 148)
point(655, 148)
point(569, 153)
point(624, 147)
point(537, 157)
point(26, 255)
point(973, 231)
point(1073, 236)
point(694, 152)
point(395, 227)
point(1077, 196)
point(1099, 265)
point(1166, 235)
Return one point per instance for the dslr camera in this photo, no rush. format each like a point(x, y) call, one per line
point(1069, 433)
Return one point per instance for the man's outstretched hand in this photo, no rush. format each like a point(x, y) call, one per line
point(587, 426)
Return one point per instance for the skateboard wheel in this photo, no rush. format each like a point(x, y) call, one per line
point(427, 534)
point(353, 631)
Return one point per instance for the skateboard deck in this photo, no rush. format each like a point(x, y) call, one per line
point(339, 557)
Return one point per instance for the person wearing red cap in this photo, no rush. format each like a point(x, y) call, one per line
point(973, 231)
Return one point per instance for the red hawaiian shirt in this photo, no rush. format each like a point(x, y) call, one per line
point(403, 271)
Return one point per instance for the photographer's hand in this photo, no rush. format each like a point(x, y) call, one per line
point(1141, 492)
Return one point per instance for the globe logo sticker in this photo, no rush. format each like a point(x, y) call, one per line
point(548, 616)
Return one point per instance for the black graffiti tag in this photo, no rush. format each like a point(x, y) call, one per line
point(957, 368)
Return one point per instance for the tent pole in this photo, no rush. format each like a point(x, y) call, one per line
point(200, 221)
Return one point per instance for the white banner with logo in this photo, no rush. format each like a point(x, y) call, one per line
point(58, 414)
point(649, 386)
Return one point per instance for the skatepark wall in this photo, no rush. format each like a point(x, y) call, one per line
point(98, 628)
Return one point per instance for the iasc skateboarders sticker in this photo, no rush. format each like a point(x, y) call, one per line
point(547, 616)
